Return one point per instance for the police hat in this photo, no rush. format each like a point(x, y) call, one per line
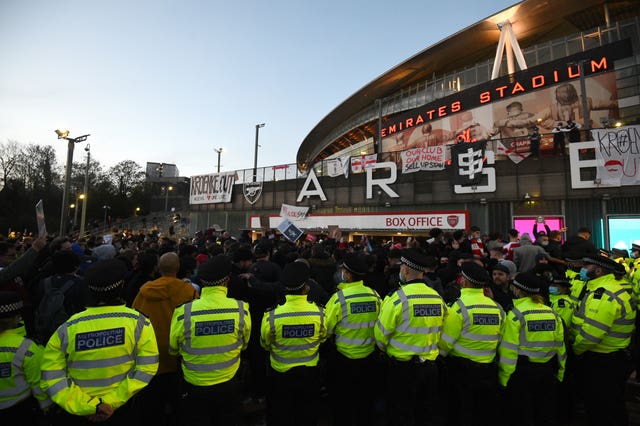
point(616, 253)
point(105, 275)
point(214, 271)
point(561, 282)
point(474, 273)
point(414, 259)
point(355, 264)
point(295, 275)
point(10, 304)
point(635, 247)
point(601, 262)
point(529, 282)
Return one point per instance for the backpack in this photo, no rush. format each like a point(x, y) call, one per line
point(51, 312)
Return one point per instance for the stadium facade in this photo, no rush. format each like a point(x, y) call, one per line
point(400, 156)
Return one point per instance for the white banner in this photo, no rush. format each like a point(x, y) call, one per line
point(293, 212)
point(360, 163)
point(334, 167)
point(211, 188)
point(421, 221)
point(427, 158)
point(617, 155)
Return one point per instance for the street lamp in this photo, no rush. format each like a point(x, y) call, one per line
point(137, 211)
point(255, 157)
point(166, 197)
point(64, 134)
point(105, 207)
point(219, 151)
point(86, 188)
point(75, 216)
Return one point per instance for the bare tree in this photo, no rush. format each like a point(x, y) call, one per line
point(127, 175)
point(10, 155)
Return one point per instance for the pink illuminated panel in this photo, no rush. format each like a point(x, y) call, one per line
point(525, 224)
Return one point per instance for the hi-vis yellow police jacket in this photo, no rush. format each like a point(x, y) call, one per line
point(19, 370)
point(351, 315)
point(209, 333)
point(104, 353)
point(605, 319)
point(534, 331)
point(292, 333)
point(410, 322)
point(472, 327)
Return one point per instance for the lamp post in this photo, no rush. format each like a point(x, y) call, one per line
point(75, 212)
point(86, 188)
point(166, 197)
point(64, 215)
point(255, 157)
point(106, 208)
point(219, 151)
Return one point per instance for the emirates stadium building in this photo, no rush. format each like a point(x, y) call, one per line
point(534, 111)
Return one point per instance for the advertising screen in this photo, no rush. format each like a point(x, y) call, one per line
point(624, 231)
point(525, 224)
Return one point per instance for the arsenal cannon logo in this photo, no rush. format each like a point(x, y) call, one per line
point(252, 191)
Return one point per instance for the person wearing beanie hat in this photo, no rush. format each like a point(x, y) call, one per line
point(209, 335)
point(499, 287)
point(351, 315)
point(19, 365)
point(115, 345)
point(158, 299)
point(603, 326)
point(292, 333)
point(408, 330)
point(470, 338)
point(532, 352)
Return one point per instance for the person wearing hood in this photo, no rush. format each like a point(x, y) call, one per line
point(157, 300)
point(525, 255)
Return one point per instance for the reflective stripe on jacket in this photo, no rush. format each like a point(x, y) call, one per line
point(292, 333)
point(107, 352)
point(472, 327)
point(410, 322)
point(351, 315)
point(209, 334)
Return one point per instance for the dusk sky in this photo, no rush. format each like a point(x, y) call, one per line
point(170, 81)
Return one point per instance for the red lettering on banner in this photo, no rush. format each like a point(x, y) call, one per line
point(555, 76)
point(419, 120)
point(599, 65)
point(517, 88)
point(501, 90)
point(409, 122)
point(430, 114)
point(392, 129)
point(570, 72)
point(485, 97)
point(455, 107)
point(537, 81)
point(442, 111)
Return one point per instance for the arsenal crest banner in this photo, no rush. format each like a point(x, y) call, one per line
point(618, 155)
point(212, 188)
point(468, 160)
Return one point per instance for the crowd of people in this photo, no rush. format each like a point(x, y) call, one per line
point(449, 328)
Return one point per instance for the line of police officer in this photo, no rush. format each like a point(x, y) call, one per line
point(101, 357)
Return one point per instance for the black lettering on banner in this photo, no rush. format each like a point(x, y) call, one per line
point(5, 370)
point(427, 310)
point(212, 328)
point(486, 319)
point(363, 307)
point(99, 339)
point(298, 331)
point(541, 325)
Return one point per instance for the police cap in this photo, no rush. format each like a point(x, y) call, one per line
point(105, 276)
point(635, 247)
point(10, 304)
point(616, 253)
point(414, 259)
point(295, 276)
point(474, 273)
point(601, 262)
point(354, 263)
point(529, 282)
point(214, 271)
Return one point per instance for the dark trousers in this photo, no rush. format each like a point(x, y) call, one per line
point(558, 144)
point(411, 392)
point(217, 405)
point(531, 394)
point(352, 386)
point(472, 390)
point(123, 416)
point(293, 397)
point(26, 412)
point(157, 403)
point(604, 377)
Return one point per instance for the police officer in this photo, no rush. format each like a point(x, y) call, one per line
point(408, 330)
point(560, 300)
point(19, 366)
point(97, 360)
point(470, 338)
point(292, 332)
point(351, 315)
point(209, 333)
point(532, 353)
point(602, 326)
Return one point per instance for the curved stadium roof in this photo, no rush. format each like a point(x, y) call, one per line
point(533, 21)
